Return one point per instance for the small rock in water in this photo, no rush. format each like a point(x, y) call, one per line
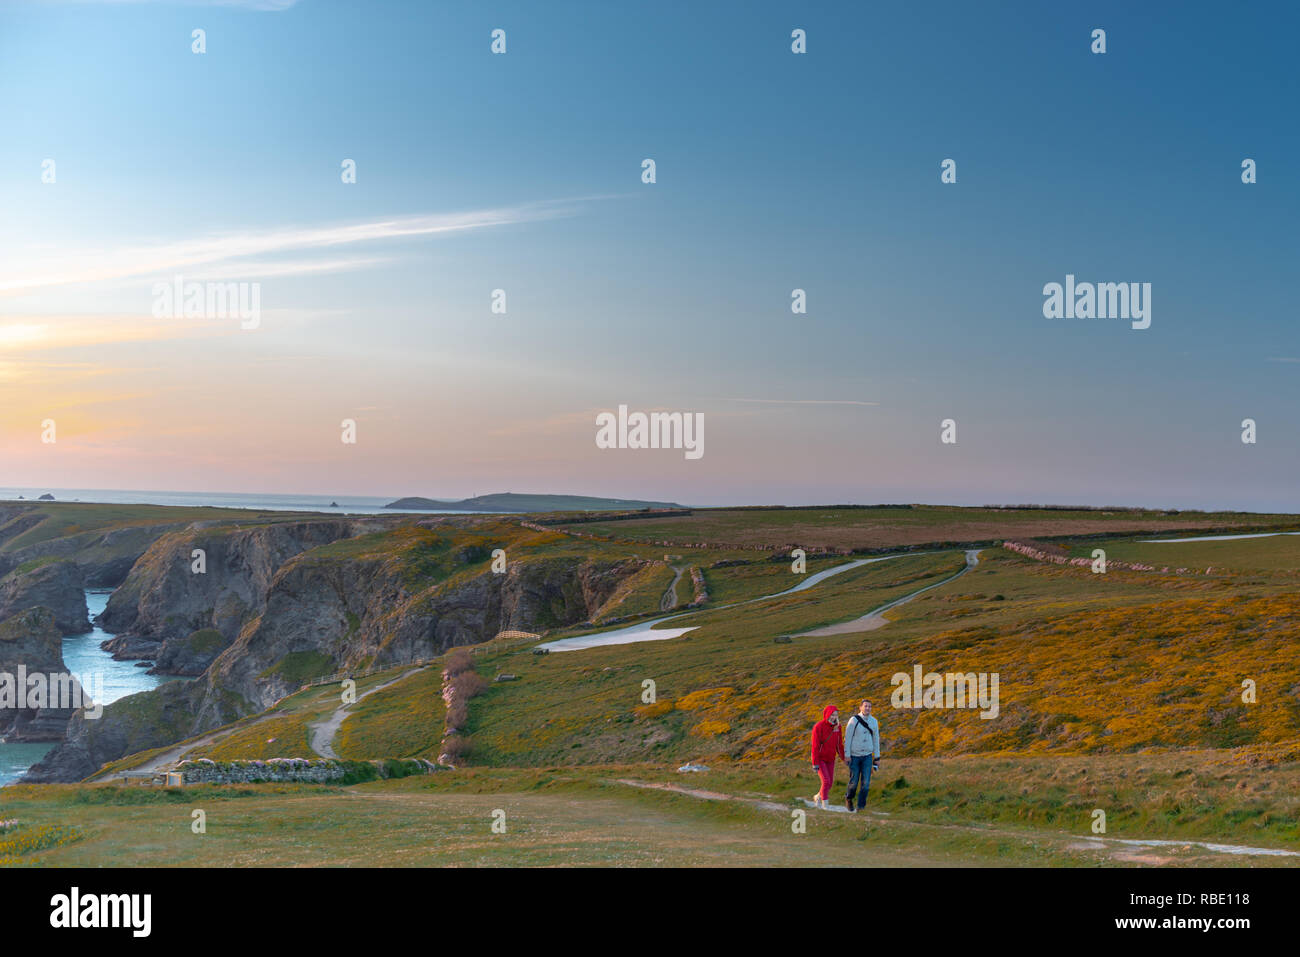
point(693, 767)
point(144, 664)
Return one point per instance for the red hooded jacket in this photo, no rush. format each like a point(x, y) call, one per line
point(827, 739)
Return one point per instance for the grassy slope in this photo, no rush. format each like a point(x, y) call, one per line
point(405, 719)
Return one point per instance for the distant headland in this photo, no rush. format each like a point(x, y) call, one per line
point(524, 502)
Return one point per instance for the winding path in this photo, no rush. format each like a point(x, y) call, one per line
point(669, 601)
point(322, 732)
point(646, 631)
point(876, 617)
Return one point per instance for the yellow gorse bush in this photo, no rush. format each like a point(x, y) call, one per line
point(20, 841)
point(1164, 675)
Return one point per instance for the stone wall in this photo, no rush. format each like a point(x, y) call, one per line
point(302, 770)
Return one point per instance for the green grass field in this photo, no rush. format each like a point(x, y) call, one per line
point(1276, 553)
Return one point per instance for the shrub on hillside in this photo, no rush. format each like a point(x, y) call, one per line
point(456, 748)
point(458, 662)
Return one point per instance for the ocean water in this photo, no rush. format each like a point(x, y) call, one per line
point(347, 504)
point(95, 666)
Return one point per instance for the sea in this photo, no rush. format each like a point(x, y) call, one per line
point(83, 656)
point(334, 504)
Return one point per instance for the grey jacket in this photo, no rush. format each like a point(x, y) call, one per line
point(860, 741)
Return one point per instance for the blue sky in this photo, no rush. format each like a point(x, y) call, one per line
point(775, 171)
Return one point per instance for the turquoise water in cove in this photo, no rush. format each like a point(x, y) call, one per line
point(108, 679)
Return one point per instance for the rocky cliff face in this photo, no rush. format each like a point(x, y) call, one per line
point(31, 646)
point(320, 613)
point(58, 586)
point(32, 639)
point(166, 600)
point(363, 613)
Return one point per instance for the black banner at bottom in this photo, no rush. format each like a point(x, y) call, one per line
point(332, 906)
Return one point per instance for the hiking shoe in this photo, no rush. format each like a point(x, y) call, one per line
point(848, 801)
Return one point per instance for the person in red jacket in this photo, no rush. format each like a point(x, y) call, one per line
point(827, 741)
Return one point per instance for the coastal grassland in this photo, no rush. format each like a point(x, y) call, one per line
point(1241, 797)
point(64, 519)
point(286, 733)
point(845, 595)
point(585, 706)
point(917, 525)
point(1086, 664)
point(1277, 553)
point(971, 811)
point(404, 720)
point(754, 579)
point(842, 597)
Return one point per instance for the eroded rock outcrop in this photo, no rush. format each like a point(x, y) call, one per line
point(33, 679)
point(166, 600)
point(56, 585)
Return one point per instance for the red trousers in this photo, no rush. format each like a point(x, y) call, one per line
point(825, 771)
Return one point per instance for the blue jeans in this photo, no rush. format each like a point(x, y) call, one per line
point(860, 770)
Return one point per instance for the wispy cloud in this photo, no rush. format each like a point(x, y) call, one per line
point(296, 267)
point(1284, 359)
point(98, 265)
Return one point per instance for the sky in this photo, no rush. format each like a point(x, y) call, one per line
point(774, 171)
